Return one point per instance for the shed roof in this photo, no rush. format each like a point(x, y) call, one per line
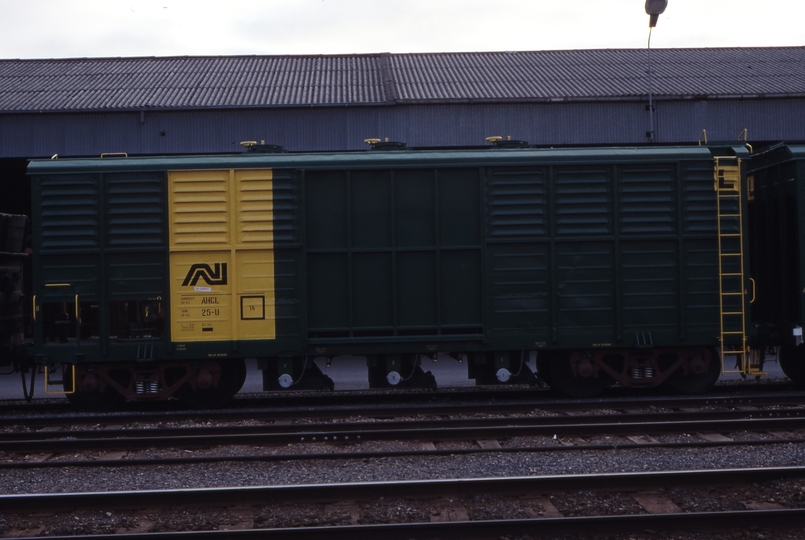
point(97, 84)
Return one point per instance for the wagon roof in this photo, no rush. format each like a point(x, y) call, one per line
point(779, 153)
point(380, 159)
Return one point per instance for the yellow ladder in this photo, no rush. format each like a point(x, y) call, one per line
point(732, 295)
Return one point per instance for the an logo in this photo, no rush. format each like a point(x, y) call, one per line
point(203, 271)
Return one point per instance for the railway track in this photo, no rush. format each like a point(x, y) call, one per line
point(118, 460)
point(781, 421)
point(485, 403)
point(446, 508)
point(570, 421)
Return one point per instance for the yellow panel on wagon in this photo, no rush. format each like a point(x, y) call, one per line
point(221, 255)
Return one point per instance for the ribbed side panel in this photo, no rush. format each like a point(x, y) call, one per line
point(200, 208)
point(603, 254)
point(517, 211)
point(520, 274)
point(650, 285)
point(699, 222)
point(221, 255)
point(285, 207)
point(135, 210)
point(80, 271)
point(256, 207)
point(69, 213)
point(583, 201)
point(585, 290)
point(647, 199)
point(701, 285)
point(134, 274)
point(699, 199)
point(516, 203)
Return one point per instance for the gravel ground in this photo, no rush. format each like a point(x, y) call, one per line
point(405, 468)
point(404, 510)
point(224, 474)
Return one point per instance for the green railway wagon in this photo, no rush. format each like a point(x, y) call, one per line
point(777, 247)
point(158, 276)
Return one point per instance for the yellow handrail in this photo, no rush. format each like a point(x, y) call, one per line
point(48, 384)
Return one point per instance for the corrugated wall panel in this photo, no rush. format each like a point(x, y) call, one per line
point(342, 128)
point(765, 120)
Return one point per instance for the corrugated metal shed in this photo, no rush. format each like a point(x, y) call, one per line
point(210, 104)
point(92, 84)
point(88, 84)
point(600, 74)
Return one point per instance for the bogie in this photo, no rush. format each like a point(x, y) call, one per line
point(201, 384)
point(586, 373)
point(213, 383)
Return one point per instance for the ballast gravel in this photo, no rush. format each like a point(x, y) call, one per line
point(226, 474)
point(547, 462)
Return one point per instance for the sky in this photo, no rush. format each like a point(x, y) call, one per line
point(103, 28)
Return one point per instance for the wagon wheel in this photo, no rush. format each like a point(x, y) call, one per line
point(792, 362)
point(697, 383)
point(233, 375)
point(103, 398)
point(575, 384)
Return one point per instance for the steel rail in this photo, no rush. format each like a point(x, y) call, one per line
point(211, 431)
point(430, 431)
point(343, 411)
point(358, 455)
point(488, 529)
point(229, 496)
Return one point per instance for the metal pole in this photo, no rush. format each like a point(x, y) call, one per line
point(650, 103)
